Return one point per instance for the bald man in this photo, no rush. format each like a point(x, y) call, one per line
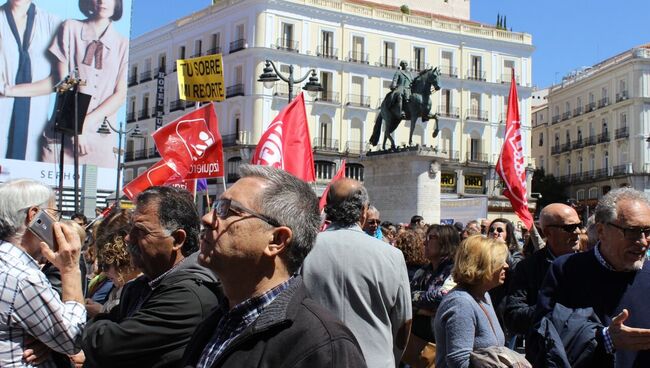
point(361, 279)
point(561, 225)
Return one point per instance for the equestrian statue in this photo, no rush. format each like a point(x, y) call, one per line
point(407, 100)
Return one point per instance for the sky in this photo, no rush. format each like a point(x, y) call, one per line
point(567, 34)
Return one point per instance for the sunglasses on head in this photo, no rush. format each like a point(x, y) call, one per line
point(497, 229)
point(569, 228)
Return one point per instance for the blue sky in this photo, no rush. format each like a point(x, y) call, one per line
point(567, 34)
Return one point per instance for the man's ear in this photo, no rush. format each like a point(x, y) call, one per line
point(600, 229)
point(179, 236)
point(31, 213)
point(280, 238)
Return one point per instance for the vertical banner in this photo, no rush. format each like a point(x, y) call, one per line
point(201, 79)
point(160, 99)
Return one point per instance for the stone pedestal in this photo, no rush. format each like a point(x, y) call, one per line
point(403, 184)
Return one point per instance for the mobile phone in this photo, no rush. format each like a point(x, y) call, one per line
point(41, 226)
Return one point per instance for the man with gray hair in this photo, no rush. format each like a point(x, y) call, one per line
point(255, 239)
point(33, 316)
point(361, 279)
point(613, 278)
point(371, 227)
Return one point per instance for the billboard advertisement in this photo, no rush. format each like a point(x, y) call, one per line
point(42, 42)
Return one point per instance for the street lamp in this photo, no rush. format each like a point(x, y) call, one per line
point(271, 74)
point(135, 133)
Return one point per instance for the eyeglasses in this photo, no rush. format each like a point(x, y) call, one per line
point(139, 231)
point(373, 222)
point(224, 205)
point(633, 233)
point(497, 229)
point(569, 228)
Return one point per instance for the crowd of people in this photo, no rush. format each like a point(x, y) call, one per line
point(263, 279)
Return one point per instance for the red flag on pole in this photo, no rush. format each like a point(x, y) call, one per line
point(510, 165)
point(339, 174)
point(158, 174)
point(286, 144)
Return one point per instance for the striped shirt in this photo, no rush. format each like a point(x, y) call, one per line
point(235, 321)
point(29, 307)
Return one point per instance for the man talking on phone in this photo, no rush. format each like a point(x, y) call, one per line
point(34, 319)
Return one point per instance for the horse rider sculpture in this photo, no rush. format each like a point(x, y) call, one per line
point(401, 86)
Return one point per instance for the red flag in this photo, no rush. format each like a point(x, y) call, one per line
point(158, 174)
point(189, 185)
point(193, 143)
point(510, 166)
point(339, 174)
point(286, 144)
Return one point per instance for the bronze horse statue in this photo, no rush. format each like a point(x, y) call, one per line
point(418, 106)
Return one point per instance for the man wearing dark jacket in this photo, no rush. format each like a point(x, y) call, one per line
point(613, 278)
point(159, 311)
point(561, 225)
point(255, 239)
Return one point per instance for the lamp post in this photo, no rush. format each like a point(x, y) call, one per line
point(135, 133)
point(271, 74)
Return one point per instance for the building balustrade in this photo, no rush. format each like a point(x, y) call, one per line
point(473, 74)
point(133, 80)
point(196, 54)
point(229, 140)
point(235, 90)
point(603, 137)
point(566, 147)
point(577, 144)
point(566, 115)
point(555, 150)
point(620, 170)
point(590, 141)
point(419, 66)
point(327, 52)
point(145, 76)
point(286, 44)
point(390, 63)
point(622, 133)
point(237, 45)
point(358, 100)
point(448, 111)
point(358, 57)
point(328, 97)
point(603, 102)
point(213, 51)
point(176, 105)
point(143, 114)
point(355, 147)
point(325, 144)
point(448, 71)
point(577, 111)
point(590, 107)
point(507, 77)
point(555, 119)
point(621, 96)
point(477, 114)
point(477, 157)
point(130, 116)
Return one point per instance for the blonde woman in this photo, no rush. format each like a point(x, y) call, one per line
point(466, 319)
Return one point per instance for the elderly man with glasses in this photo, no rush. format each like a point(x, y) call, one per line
point(561, 225)
point(34, 319)
point(255, 240)
point(371, 227)
point(613, 279)
point(159, 311)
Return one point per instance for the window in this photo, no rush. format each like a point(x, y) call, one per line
point(287, 36)
point(354, 171)
point(198, 48)
point(580, 164)
point(593, 193)
point(326, 82)
point(418, 58)
point(604, 127)
point(181, 52)
point(447, 63)
point(508, 68)
point(445, 99)
point(568, 167)
point(623, 120)
point(541, 139)
point(579, 135)
point(567, 107)
point(162, 62)
point(324, 170)
point(237, 123)
point(233, 169)
point(606, 160)
point(325, 132)
point(557, 141)
point(357, 54)
point(568, 137)
point(327, 44)
point(476, 68)
point(475, 104)
point(357, 92)
point(580, 194)
point(215, 44)
point(239, 74)
point(239, 32)
point(592, 162)
point(475, 148)
point(389, 55)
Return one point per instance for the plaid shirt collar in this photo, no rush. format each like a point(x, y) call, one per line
point(601, 259)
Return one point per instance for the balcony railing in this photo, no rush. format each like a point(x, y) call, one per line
point(328, 97)
point(603, 137)
point(190, 103)
point(418, 67)
point(213, 51)
point(603, 102)
point(355, 147)
point(621, 96)
point(453, 156)
point(448, 111)
point(601, 173)
point(197, 54)
point(507, 77)
point(176, 105)
point(327, 52)
point(566, 115)
point(477, 157)
point(449, 71)
point(326, 144)
point(143, 114)
point(130, 116)
point(555, 150)
point(229, 140)
point(358, 57)
point(555, 119)
point(577, 111)
point(133, 80)
point(622, 133)
point(145, 76)
point(287, 45)
point(590, 141)
point(235, 90)
point(358, 101)
point(566, 147)
point(141, 154)
point(622, 169)
point(237, 45)
point(474, 74)
point(390, 63)
point(590, 107)
point(476, 114)
point(577, 144)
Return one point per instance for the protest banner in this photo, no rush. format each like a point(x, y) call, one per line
point(201, 79)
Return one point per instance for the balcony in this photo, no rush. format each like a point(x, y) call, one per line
point(507, 77)
point(285, 44)
point(141, 154)
point(470, 190)
point(327, 52)
point(390, 63)
point(603, 137)
point(325, 144)
point(452, 156)
point(476, 114)
point(176, 105)
point(624, 169)
point(477, 158)
point(145, 76)
point(600, 173)
point(358, 57)
point(555, 119)
point(590, 141)
point(235, 90)
point(622, 133)
point(566, 115)
point(555, 150)
point(358, 101)
point(577, 111)
point(355, 147)
point(133, 80)
point(447, 111)
point(237, 45)
point(213, 51)
point(590, 107)
point(473, 74)
point(603, 102)
point(198, 54)
point(229, 140)
point(161, 69)
point(449, 71)
point(130, 116)
point(621, 96)
point(566, 147)
point(143, 114)
point(419, 66)
point(328, 97)
point(577, 144)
